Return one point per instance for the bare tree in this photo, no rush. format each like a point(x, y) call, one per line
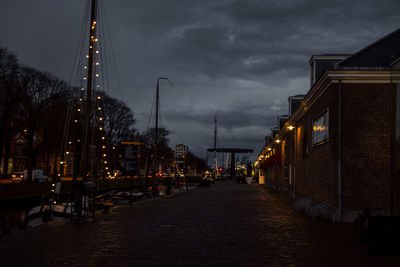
point(195, 163)
point(42, 90)
point(117, 122)
point(11, 96)
point(165, 153)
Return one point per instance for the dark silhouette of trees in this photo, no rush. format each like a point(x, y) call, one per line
point(12, 94)
point(118, 119)
point(194, 164)
point(118, 125)
point(34, 106)
point(45, 114)
point(42, 90)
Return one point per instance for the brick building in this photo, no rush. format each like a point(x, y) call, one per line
point(341, 146)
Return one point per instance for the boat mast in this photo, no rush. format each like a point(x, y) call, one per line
point(155, 167)
point(89, 88)
point(215, 146)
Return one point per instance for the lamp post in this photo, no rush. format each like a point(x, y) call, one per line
point(155, 168)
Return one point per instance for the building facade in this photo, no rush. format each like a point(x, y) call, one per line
point(180, 151)
point(341, 145)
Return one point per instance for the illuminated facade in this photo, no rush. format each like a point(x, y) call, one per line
point(341, 146)
point(180, 151)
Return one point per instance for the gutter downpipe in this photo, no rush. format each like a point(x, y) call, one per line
point(339, 215)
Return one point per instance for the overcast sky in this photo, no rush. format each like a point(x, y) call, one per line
point(237, 59)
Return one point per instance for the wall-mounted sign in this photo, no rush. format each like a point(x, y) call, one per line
point(320, 129)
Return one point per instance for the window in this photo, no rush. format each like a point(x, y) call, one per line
point(320, 129)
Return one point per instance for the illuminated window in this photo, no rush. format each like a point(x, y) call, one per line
point(320, 129)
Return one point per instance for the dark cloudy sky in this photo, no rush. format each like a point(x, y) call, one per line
point(237, 59)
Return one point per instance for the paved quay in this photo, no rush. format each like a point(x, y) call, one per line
point(226, 224)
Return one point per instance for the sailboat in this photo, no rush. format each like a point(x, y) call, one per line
point(80, 149)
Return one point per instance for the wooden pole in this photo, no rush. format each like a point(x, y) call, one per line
point(155, 152)
point(215, 147)
point(89, 87)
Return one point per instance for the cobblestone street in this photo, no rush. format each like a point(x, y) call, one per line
point(224, 224)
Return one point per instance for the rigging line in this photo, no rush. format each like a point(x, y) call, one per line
point(151, 112)
point(71, 98)
point(103, 61)
point(100, 86)
point(105, 57)
point(80, 40)
point(81, 58)
point(160, 114)
point(114, 59)
point(93, 110)
point(103, 79)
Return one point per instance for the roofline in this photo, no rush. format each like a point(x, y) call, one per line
point(328, 56)
point(324, 82)
point(370, 45)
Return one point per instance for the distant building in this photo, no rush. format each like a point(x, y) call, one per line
point(180, 151)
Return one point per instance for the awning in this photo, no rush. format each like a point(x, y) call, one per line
point(271, 160)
